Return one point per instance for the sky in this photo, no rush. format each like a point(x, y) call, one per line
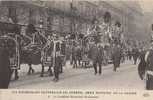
point(147, 5)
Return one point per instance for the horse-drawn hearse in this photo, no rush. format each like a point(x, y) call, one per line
point(32, 49)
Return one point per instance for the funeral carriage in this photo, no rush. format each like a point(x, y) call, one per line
point(10, 40)
point(35, 49)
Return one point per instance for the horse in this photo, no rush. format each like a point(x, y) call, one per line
point(31, 54)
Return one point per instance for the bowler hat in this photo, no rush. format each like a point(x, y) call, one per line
point(118, 24)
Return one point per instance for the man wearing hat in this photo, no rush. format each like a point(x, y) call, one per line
point(149, 65)
point(97, 57)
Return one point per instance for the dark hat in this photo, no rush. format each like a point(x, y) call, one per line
point(107, 17)
point(81, 36)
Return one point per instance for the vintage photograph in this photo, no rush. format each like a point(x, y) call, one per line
point(76, 44)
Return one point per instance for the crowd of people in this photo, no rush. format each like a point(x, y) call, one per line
point(98, 47)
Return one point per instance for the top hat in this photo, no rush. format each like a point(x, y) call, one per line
point(118, 24)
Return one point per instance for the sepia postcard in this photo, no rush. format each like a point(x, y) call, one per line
point(76, 49)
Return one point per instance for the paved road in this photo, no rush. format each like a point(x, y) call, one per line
point(126, 77)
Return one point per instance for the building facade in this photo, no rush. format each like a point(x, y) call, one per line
point(74, 16)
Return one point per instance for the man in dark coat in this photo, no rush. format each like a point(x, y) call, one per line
point(97, 57)
point(5, 70)
point(74, 56)
point(17, 35)
point(129, 54)
point(145, 67)
point(116, 56)
point(142, 64)
point(57, 61)
point(79, 55)
point(57, 66)
point(135, 53)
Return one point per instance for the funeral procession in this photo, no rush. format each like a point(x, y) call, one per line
point(76, 44)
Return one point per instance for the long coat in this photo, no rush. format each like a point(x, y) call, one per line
point(135, 53)
point(79, 53)
point(5, 70)
point(142, 65)
point(149, 67)
point(97, 54)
